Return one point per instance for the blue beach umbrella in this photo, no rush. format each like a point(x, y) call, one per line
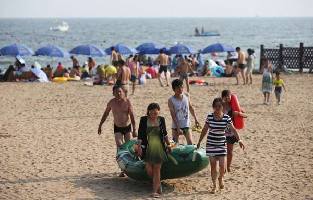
point(181, 49)
point(88, 50)
point(15, 50)
point(149, 48)
point(218, 47)
point(122, 49)
point(52, 51)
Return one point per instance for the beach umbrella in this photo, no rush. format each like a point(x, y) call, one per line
point(15, 50)
point(88, 50)
point(218, 47)
point(52, 51)
point(149, 48)
point(122, 49)
point(181, 49)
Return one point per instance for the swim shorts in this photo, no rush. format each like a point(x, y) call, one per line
point(122, 130)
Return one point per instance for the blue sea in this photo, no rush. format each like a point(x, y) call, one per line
point(105, 32)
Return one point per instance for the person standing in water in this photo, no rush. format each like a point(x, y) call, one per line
point(122, 110)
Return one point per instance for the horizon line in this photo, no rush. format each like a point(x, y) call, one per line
point(159, 17)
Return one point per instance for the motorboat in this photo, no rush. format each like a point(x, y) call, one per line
point(63, 27)
point(205, 33)
point(208, 34)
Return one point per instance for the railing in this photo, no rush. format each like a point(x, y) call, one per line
point(291, 57)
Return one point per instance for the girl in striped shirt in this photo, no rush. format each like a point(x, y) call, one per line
point(216, 123)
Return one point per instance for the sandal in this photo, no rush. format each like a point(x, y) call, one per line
point(122, 174)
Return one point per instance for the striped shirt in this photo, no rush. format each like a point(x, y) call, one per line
point(215, 145)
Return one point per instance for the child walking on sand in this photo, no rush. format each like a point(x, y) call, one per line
point(180, 109)
point(279, 84)
point(217, 122)
point(267, 80)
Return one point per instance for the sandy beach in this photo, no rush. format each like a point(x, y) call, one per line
point(50, 148)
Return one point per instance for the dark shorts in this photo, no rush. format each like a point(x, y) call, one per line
point(241, 66)
point(122, 130)
point(185, 130)
point(183, 76)
point(231, 139)
point(227, 75)
point(114, 63)
point(133, 78)
point(232, 60)
point(278, 90)
point(163, 68)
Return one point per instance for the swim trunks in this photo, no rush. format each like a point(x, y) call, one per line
point(122, 130)
point(133, 78)
point(163, 68)
point(185, 130)
point(183, 76)
point(241, 66)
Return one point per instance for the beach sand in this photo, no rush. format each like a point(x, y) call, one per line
point(50, 148)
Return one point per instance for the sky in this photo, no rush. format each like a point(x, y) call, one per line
point(154, 8)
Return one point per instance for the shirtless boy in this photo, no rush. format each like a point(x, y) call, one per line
point(114, 57)
point(123, 76)
point(182, 70)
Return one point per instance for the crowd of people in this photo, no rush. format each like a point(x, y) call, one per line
point(154, 142)
point(178, 65)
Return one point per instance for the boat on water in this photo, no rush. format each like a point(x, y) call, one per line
point(63, 27)
point(208, 34)
point(205, 33)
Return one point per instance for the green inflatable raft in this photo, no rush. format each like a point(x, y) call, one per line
point(183, 161)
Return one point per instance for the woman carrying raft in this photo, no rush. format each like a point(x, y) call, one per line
point(152, 136)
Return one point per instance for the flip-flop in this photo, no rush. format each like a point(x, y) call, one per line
point(122, 174)
point(155, 195)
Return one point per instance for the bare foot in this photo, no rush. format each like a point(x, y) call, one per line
point(213, 189)
point(160, 190)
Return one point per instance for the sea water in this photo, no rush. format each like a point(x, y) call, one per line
point(105, 32)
